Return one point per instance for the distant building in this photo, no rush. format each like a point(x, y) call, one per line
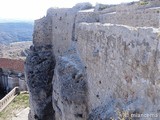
point(12, 74)
point(12, 65)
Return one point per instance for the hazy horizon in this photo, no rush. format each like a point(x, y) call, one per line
point(34, 9)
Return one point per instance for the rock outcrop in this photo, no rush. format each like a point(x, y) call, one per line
point(70, 88)
point(95, 70)
point(39, 69)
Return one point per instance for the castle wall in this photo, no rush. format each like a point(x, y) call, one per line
point(116, 65)
point(63, 24)
point(62, 28)
point(58, 25)
point(42, 31)
point(121, 63)
point(88, 16)
point(135, 18)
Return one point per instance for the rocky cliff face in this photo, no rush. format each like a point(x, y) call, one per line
point(39, 70)
point(70, 88)
point(90, 70)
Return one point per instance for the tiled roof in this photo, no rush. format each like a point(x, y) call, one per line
point(10, 64)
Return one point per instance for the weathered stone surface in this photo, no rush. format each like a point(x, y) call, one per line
point(39, 68)
point(122, 65)
point(42, 31)
point(63, 22)
point(108, 67)
point(70, 88)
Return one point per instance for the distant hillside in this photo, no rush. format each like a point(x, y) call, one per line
point(16, 50)
point(15, 32)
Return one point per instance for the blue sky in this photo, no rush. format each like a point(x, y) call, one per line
point(35, 9)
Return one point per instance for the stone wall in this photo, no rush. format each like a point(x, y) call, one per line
point(9, 80)
point(135, 18)
point(122, 64)
point(42, 31)
point(88, 16)
point(62, 28)
point(87, 69)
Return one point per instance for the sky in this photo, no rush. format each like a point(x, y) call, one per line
point(35, 9)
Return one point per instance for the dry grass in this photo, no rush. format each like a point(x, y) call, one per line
point(19, 103)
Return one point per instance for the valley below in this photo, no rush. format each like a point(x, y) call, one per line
point(16, 50)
